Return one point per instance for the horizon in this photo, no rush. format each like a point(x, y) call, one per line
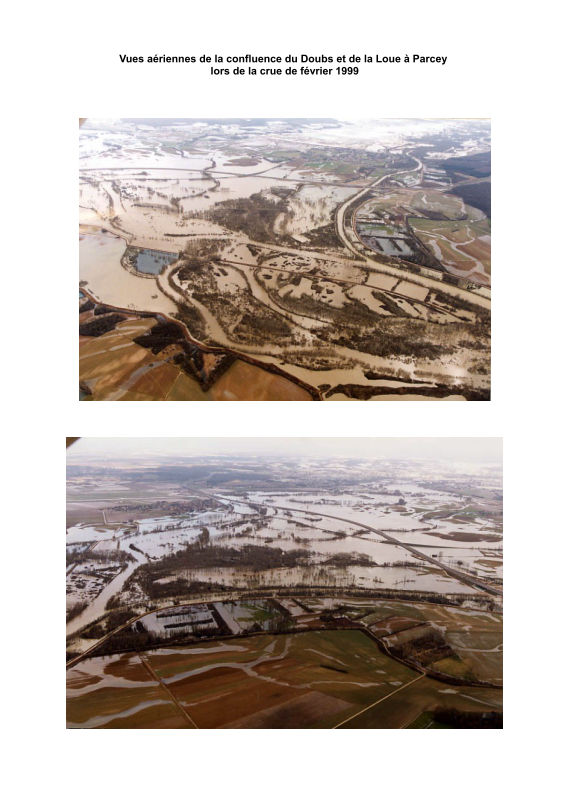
point(447, 448)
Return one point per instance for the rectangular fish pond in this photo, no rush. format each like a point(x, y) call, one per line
point(151, 261)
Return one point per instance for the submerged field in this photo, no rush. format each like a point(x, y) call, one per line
point(266, 592)
point(248, 241)
point(231, 527)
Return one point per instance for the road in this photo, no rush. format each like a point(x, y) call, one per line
point(457, 574)
point(260, 175)
point(370, 264)
point(167, 691)
point(236, 595)
point(465, 578)
point(226, 595)
point(400, 272)
point(378, 701)
point(471, 581)
point(340, 212)
point(348, 283)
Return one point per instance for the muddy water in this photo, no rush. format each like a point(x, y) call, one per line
point(422, 580)
point(259, 293)
point(107, 280)
point(284, 356)
point(310, 207)
point(97, 607)
point(151, 261)
point(229, 188)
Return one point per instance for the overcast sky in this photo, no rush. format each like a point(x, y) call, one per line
point(451, 448)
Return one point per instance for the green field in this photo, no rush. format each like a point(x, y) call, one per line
point(400, 710)
point(427, 722)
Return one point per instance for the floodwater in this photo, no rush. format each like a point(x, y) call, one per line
point(97, 607)
point(394, 248)
point(151, 261)
point(88, 533)
point(179, 621)
point(398, 508)
point(310, 207)
point(101, 269)
point(420, 580)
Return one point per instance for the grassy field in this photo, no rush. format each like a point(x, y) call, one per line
point(477, 637)
point(451, 234)
point(427, 722)
point(400, 710)
point(438, 202)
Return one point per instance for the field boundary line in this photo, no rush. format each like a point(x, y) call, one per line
point(152, 673)
point(412, 681)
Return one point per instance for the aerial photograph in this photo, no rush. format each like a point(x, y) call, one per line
point(284, 259)
point(284, 583)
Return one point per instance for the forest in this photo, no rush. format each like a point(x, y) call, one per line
point(476, 195)
point(478, 165)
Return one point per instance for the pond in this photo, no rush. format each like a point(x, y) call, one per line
point(151, 261)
